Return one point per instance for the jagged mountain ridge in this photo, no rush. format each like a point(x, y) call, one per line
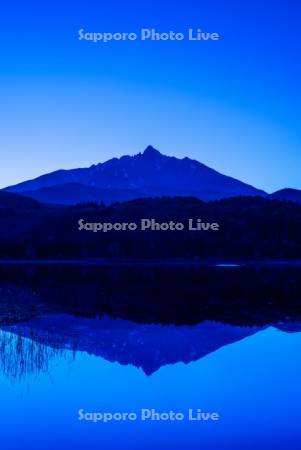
point(147, 174)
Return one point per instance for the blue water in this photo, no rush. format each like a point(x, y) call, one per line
point(252, 383)
point(228, 265)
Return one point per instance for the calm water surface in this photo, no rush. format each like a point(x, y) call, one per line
point(55, 365)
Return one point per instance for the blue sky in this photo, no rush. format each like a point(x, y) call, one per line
point(232, 104)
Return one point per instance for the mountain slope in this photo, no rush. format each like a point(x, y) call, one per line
point(292, 195)
point(10, 200)
point(73, 193)
point(146, 174)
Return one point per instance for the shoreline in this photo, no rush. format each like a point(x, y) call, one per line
point(173, 262)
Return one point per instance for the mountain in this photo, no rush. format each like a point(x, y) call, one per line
point(147, 174)
point(292, 195)
point(18, 214)
point(73, 193)
point(9, 201)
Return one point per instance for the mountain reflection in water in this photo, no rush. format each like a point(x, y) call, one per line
point(21, 357)
point(94, 338)
point(29, 347)
point(249, 375)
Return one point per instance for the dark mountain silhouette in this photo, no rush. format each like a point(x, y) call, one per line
point(292, 195)
point(10, 201)
point(147, 174)
point(73, 193)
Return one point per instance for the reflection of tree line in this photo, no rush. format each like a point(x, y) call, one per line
point(250, 295)
point(16, 304)
point(21, 357)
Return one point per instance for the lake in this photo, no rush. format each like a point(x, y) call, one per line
point(55, 365)
point(218, 344)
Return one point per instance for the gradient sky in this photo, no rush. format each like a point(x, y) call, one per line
point(233, 104)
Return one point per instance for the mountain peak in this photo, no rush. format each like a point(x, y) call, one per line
point(146, 174)
point(151, 152)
